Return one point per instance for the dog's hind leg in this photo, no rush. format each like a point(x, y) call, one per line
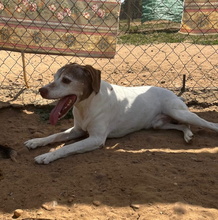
point(165, 122)
point(187, 117)
point(177, 109)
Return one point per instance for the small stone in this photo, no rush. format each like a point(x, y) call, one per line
point(96, 203)
point(39, 212)
point(135, 206)
point(49, 206)
point(37, 134)
point(18, 213)
point(70, 200)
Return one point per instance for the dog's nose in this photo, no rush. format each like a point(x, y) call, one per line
point(43, 92)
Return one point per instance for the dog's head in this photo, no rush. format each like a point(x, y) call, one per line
point(72, 84)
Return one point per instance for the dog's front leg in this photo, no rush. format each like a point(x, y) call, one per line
point(89, 144)
point(67, 135)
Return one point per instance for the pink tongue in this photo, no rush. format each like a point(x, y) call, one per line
point(61, 109)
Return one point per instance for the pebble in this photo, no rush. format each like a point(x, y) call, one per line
point(37, 134)
point(18, 213)
point(96, 203)
point(39, 212)
point(70, 200)
point(49, 206)
point(135, 206)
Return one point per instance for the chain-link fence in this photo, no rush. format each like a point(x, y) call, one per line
point(149, 50)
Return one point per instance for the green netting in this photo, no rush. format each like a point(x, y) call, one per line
point(162, 10)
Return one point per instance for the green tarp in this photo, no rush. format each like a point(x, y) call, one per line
point(162, 10)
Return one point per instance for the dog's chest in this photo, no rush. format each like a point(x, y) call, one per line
point(82, 118)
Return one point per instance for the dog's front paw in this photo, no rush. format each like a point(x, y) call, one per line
point(45, 158)
point(34, 143)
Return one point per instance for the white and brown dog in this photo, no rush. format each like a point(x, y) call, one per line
point(103, 111)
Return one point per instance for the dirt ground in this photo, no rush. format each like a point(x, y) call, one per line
point(147, 175)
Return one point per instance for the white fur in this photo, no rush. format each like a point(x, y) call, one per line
point(116, 111)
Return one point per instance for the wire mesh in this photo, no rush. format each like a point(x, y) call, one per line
point(148, 53)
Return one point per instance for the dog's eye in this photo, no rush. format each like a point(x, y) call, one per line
point(66, 80)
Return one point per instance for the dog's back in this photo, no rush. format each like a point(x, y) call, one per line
point(131, 108)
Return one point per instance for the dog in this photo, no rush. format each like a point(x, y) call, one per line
point(103, 110)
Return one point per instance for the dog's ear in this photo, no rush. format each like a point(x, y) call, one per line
point(96, 77)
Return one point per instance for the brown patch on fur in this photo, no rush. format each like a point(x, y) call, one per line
point(87, 75)
point(96, 77)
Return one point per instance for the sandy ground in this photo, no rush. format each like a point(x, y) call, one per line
point(145, 175)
